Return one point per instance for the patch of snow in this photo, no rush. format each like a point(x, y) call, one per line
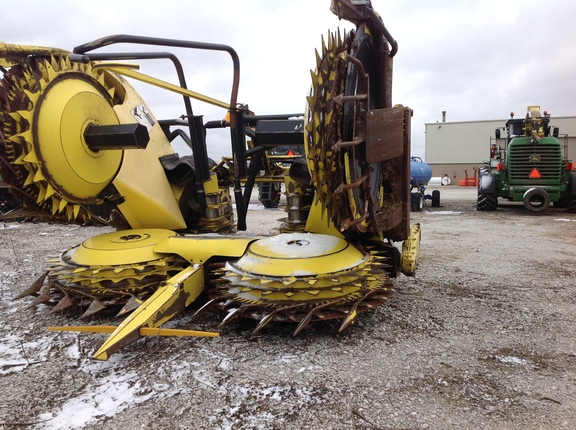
point(301, 245)
point(259, 207)
point(511, 359)
point(16, 355)
point(443, 213)
point(111, 394)
point(9, 226)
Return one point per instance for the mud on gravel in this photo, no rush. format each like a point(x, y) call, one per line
point(482, 337)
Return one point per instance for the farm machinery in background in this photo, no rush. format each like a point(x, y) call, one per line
point(420, 175)
point(531, 167)
point(280, 159)
point(78, 142)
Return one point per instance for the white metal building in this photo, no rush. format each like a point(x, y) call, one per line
point(452, 147)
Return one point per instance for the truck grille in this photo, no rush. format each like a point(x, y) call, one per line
point(523, 157)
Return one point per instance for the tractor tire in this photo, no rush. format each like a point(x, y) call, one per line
point(416, 202)
point(571, 203)
point(435, 199)
point(487, 202)
point(536, 200)
point(569, 197)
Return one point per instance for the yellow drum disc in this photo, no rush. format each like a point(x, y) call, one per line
point(300, 255)
point(119, 248)
point(66, 108)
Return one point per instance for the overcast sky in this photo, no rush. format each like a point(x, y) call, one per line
point(474, 59)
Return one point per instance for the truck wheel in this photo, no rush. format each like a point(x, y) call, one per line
point(571, 203)
point(416, 202)
point(487, 202)
point(536, 200)
point(435, 199)
point(570, 194)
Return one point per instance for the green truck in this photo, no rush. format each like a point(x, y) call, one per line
point(530, 165)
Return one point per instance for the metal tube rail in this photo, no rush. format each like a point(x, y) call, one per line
point(199, 151)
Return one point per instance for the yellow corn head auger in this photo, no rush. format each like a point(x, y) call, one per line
point(77, 142)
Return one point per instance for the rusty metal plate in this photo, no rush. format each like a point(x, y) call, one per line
point(386, 130)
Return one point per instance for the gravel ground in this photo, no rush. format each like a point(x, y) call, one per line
point(482, 337)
